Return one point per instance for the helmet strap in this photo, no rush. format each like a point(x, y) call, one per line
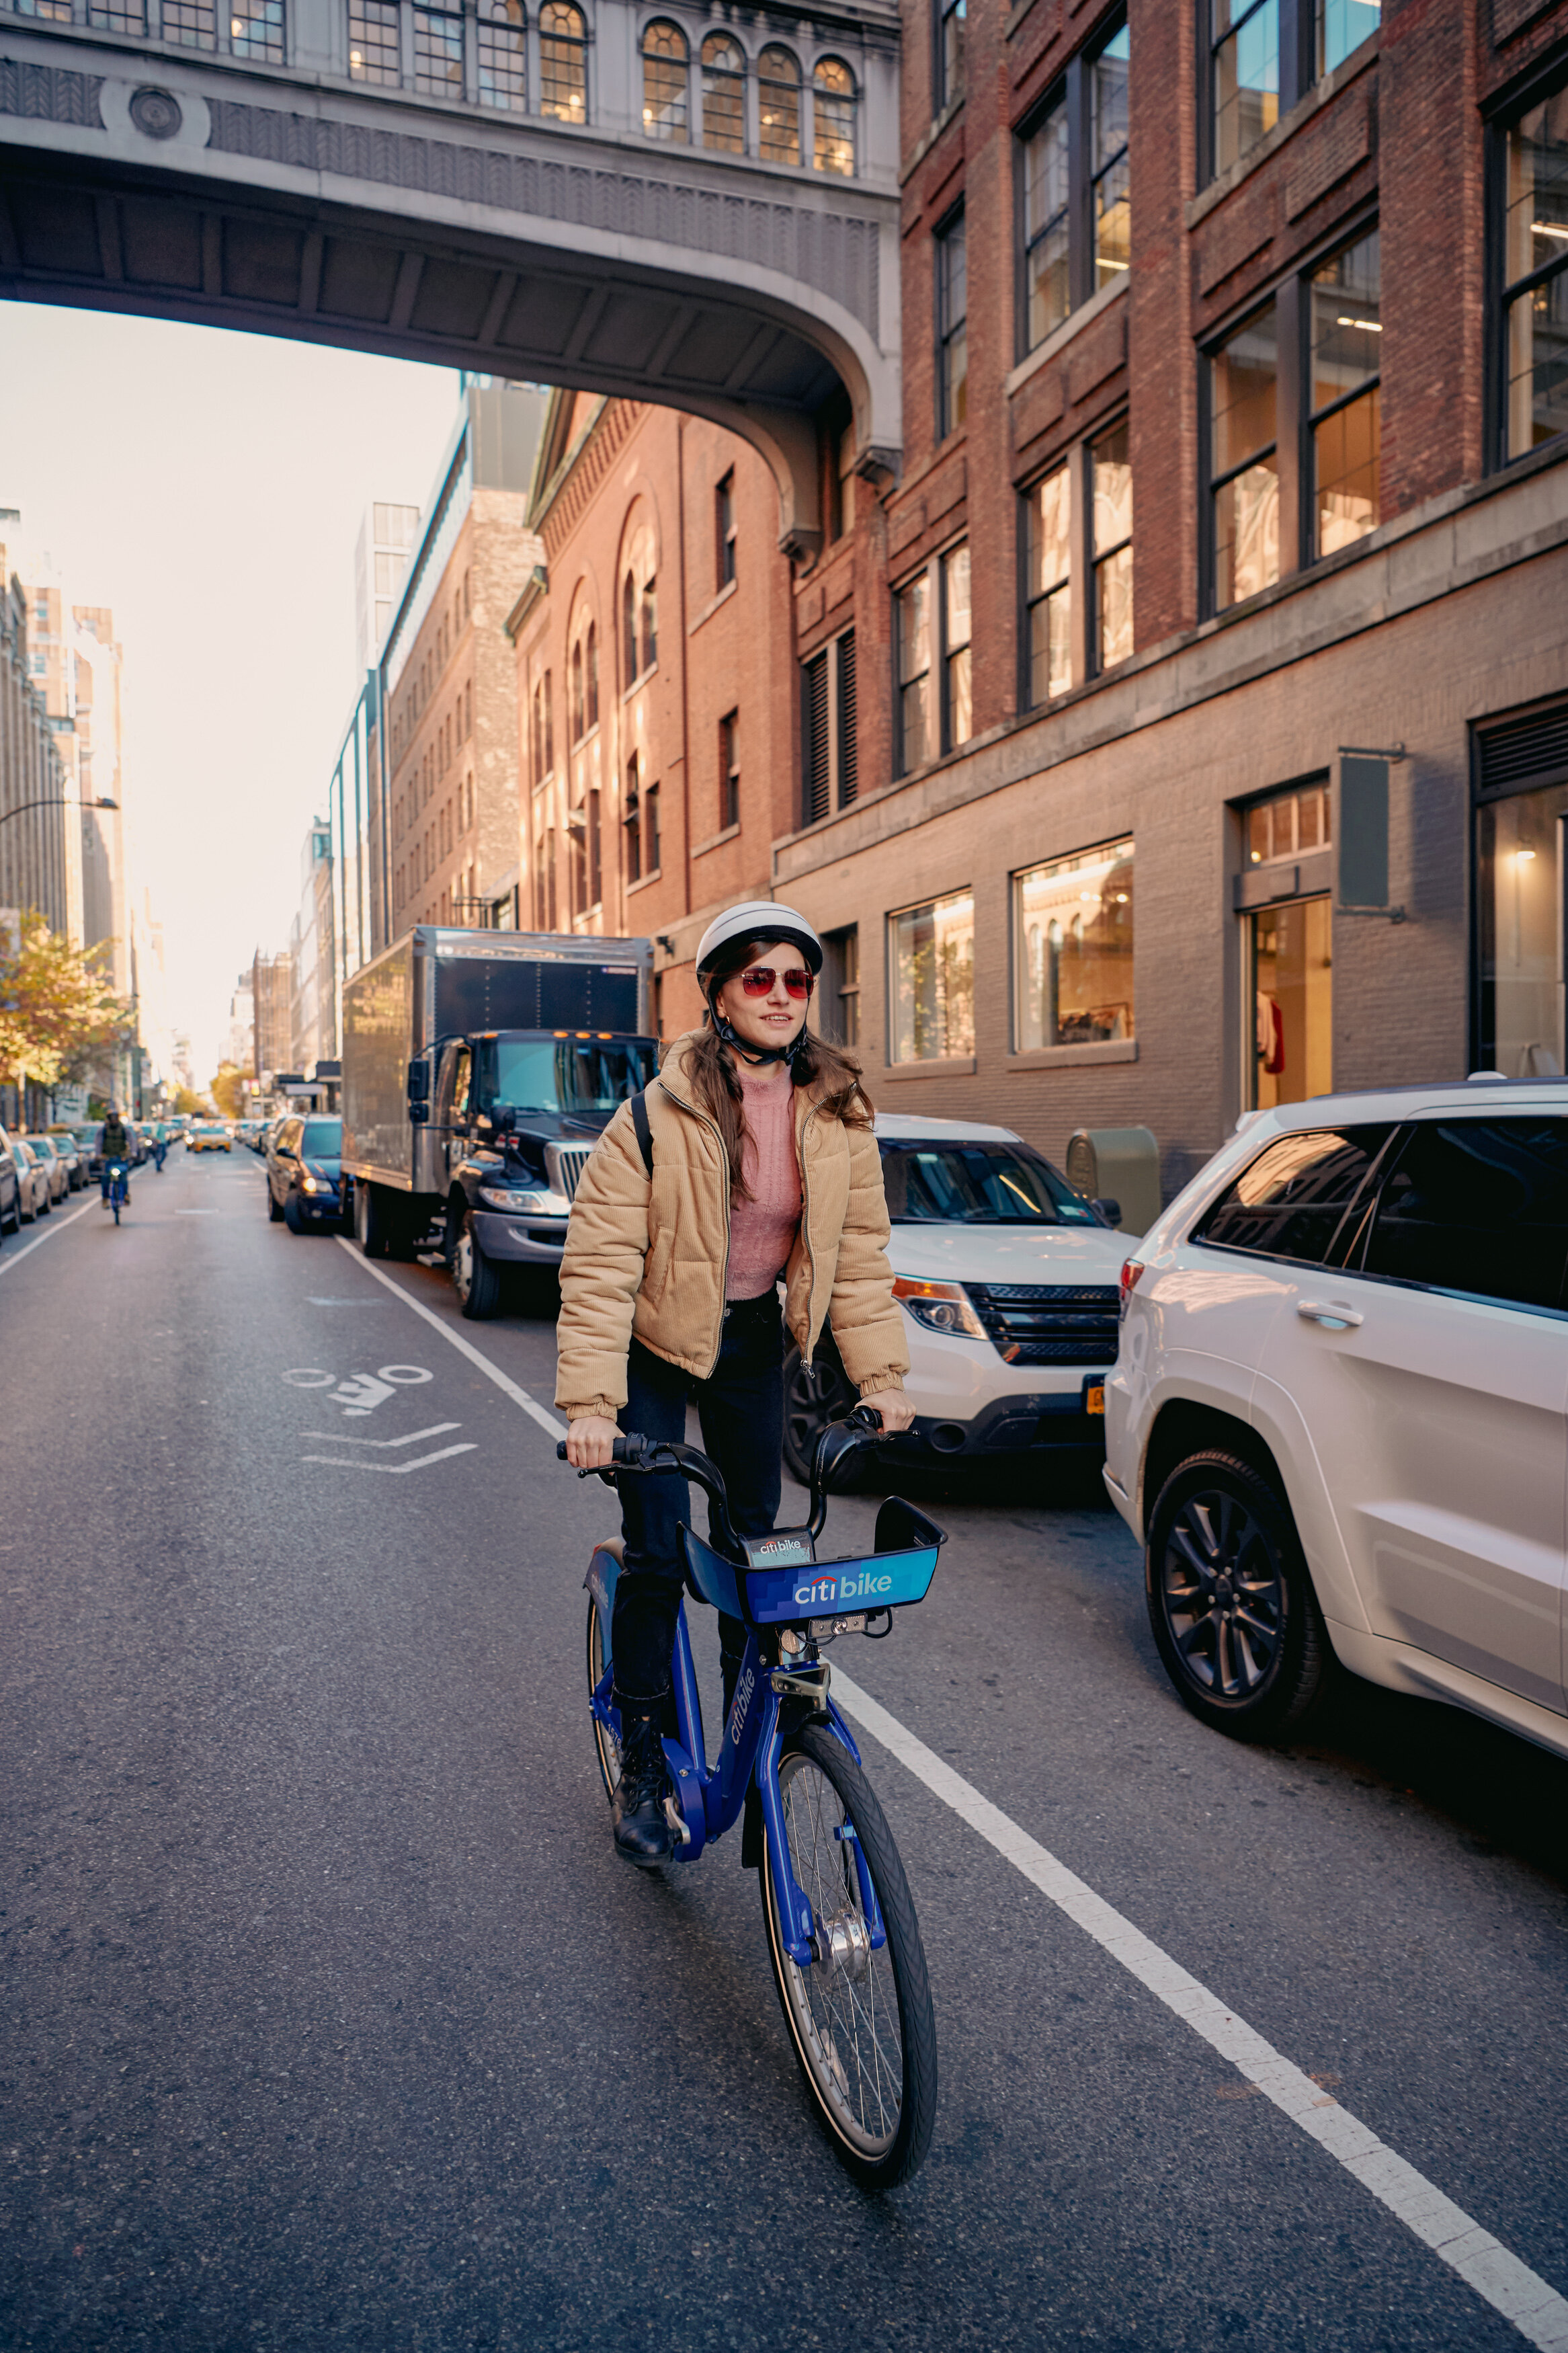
point(759, 1056)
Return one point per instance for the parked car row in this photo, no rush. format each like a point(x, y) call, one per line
point(306, 1188)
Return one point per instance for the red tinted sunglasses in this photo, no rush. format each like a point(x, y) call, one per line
point(759, 981)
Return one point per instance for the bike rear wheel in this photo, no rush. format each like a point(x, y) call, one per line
point(607, 1747)
point(861, 2021)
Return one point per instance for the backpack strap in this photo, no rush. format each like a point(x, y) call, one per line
point(643, 1132)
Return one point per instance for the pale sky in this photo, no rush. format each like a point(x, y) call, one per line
point(209, 487)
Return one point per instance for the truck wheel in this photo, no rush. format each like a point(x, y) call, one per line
point(369, 1220)
point(475, 1278)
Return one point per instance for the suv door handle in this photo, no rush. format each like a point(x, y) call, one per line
point(1334, 1314)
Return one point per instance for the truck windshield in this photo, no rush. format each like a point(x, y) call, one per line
point(562, 1074)
point(978, 1184)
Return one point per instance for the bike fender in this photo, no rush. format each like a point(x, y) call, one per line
point(603, 1571)
point(839, 1727)
point(795, 1910)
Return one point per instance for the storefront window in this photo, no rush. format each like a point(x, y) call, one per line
point(1522, 909)
point(1072, 929)
point(1290, 958)
point(931, 951)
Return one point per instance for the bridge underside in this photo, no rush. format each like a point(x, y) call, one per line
point(94, 234)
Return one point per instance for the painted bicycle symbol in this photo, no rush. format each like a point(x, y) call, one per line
point(360, 1393)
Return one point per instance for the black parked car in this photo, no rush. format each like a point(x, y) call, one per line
point(10, 1187)
point(305, 1183)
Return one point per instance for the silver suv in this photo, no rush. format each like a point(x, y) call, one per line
point(1339, 1417)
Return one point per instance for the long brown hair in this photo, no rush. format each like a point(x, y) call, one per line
point(833, 1075)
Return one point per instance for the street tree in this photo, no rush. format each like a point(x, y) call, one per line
point(58, 1015)
point(229, 1091)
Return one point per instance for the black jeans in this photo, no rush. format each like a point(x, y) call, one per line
point(741, 1408)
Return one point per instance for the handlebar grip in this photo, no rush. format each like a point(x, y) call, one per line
point(628, 1449)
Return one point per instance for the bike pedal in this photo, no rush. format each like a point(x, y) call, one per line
point(676, 1820)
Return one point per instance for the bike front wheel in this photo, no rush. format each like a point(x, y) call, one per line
point(862, 2021)
point(607, 1747)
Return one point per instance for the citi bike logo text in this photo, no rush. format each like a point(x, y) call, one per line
point(827, 1592)
point(742, 1702)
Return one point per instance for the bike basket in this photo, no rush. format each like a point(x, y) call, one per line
point(898, 1573)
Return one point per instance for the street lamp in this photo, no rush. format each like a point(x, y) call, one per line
point(102, 802)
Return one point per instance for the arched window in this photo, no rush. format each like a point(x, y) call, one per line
point(649, 623)
point(664, 58)
point(593, 673)
point(778, 106)
point(579, 723)
point(562, 62)
point(723, 94)
point(503, 54)
point(630, 627)
point(833, 105)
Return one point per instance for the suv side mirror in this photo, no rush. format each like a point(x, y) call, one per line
point(1109, 1212)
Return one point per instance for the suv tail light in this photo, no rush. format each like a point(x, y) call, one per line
point(1131, 1269)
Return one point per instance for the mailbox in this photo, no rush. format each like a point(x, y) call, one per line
point(1120, 1165)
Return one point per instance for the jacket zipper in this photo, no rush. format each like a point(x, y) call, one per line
point(805, 1235)
point(724, 1271)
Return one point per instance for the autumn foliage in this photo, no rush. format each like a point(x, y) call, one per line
point(58, 1012)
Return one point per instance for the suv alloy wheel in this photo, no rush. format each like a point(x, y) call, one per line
point(1231, 1604)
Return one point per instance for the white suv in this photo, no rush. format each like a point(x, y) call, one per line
point(1008, 1280)
point(1339, 1417)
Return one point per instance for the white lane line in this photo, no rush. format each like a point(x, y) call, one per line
point(1510, 2286)
point(342, 1437)
point(1485, 2264)
point(8, 1259)
point(530, 1406)
point(394, 1469)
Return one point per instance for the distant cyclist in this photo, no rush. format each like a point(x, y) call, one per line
point(764, 1169)
point(114, 1143)
point(160, 1144)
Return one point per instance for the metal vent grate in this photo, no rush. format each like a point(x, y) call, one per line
point(1049, 1323)
point(1525, 751)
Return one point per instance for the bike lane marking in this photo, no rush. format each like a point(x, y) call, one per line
point(530, 1406)
point(8, 1259)
point(1483, 2262)
point(1496, 2275)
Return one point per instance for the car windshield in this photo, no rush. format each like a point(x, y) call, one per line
point(977, 1183)
point(561, 1074)
point(42, 1145)
point(322, 1139)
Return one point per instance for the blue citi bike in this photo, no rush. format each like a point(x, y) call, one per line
point(842, 1934)
point(119, 1187)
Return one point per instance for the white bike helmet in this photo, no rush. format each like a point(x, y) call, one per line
point(756, 919)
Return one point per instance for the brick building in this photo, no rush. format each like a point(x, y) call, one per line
point(445, 823)
point(1236, 414)
point(655, 682)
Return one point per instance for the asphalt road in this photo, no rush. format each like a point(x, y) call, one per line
point(330, 2019)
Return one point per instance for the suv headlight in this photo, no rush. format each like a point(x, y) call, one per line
point(941, 1307)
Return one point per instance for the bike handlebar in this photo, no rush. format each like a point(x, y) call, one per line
point(633, 1452)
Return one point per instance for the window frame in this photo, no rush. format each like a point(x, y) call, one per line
point(730, 770)
point(1116, 847)
point(935, 676)
point(1501, 292)
point(947, 84)
point(724, 529)
point(890, 921)
point(840, 722)
point(678, 133)
point(1072, 94)
point(1302, 43)
point(740, 75)
point(950, 235)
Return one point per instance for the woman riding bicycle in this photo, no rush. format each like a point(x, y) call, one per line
point(764, 1168)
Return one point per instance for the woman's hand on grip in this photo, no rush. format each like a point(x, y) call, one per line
point(893, 1405)
point(589, 1440)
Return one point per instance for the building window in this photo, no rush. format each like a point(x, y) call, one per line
point(951, 330)
point(1534, 336)
point(190, 23)
point(1048, 585)
point(665, 58)
point(631, 824)
point(1074, 208)
point(438, 53)
point(778, 106)
point(949, 52)
point(839, 997)
point(723, 94)
point(1521, 870)
point(957, 705)
point(931, 955)
point(1345, 419)
point(729, 770)
point(563, 63)
point(593, 670)
point(503, 55)
point(828, 729)
point(917, 736)
point(373, 41)
point(1072, 940)
point(1292, 824)
point(630, 627)
point(649, 623)
point(1265, 54)
point(832, 117)
point(1244, 464)
point(650, 806)
point(579, 705)
point(725, 528)
point(1111, 485)
point(255, 30)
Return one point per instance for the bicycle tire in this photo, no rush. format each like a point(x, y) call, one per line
point(606, 1747)
point(840, 2008)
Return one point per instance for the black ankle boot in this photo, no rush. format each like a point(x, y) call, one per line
point(642, 1828)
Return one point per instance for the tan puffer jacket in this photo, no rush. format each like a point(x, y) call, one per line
point(646, 1256)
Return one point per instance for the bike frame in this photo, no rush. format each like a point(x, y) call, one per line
point(709, 1798)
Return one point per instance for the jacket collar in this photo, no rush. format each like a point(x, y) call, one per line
point(675, 1077)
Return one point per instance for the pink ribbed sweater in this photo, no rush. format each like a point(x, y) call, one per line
point(762, 1229)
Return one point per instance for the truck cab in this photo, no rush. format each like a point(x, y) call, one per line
point(514, 1114)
